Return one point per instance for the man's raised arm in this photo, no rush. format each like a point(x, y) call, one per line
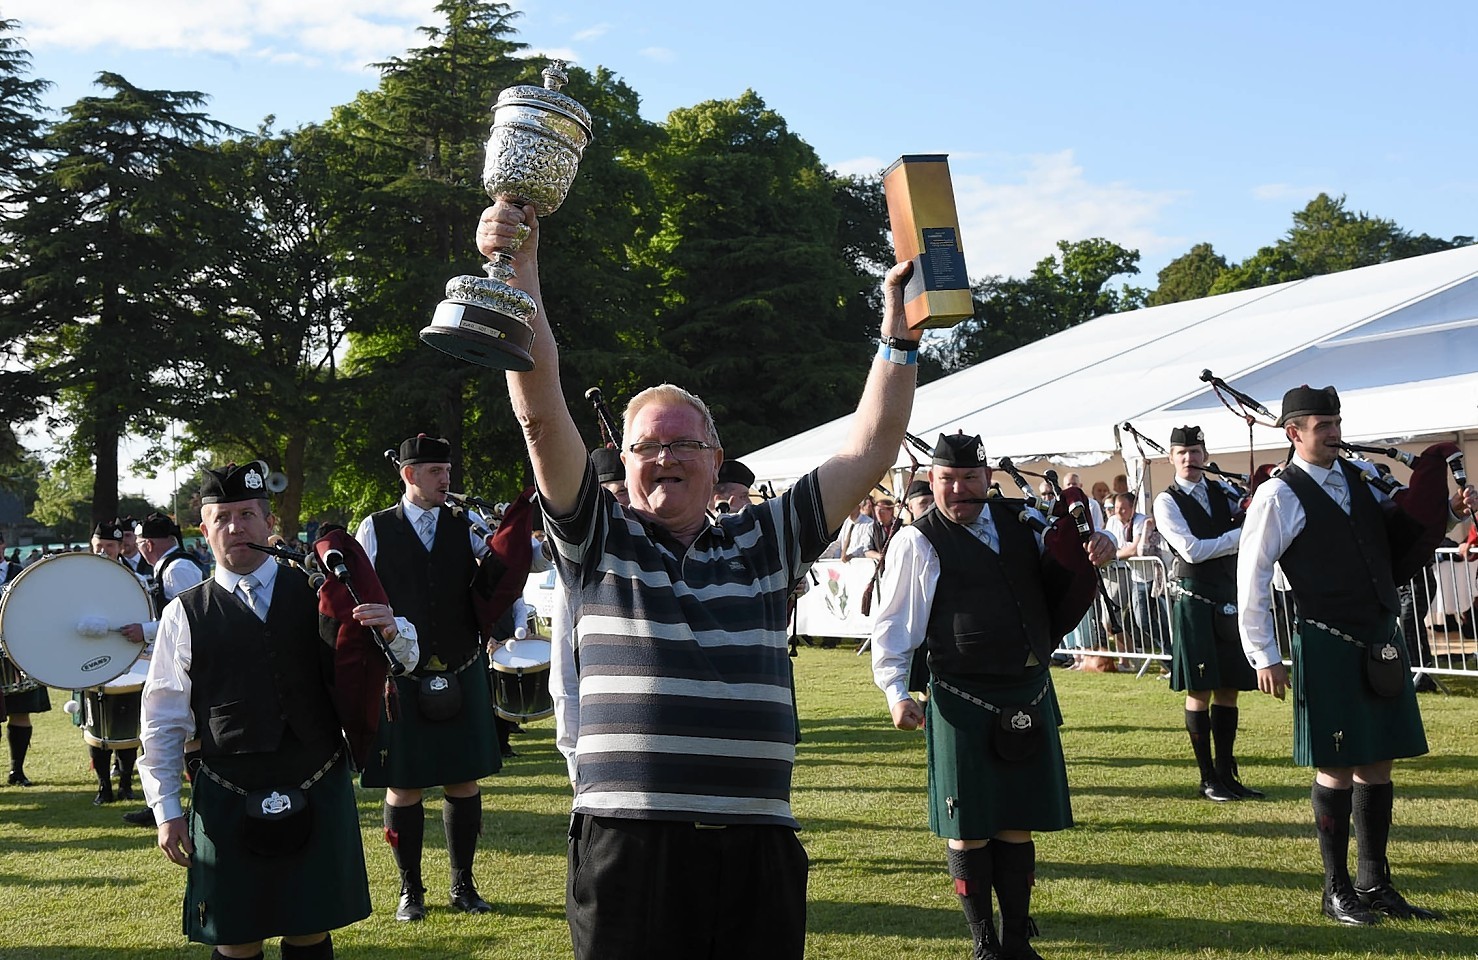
point(555, 447)
point(882, 414)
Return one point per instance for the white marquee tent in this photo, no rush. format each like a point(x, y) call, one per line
point(1399, 340)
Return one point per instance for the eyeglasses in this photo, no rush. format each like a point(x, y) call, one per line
point(684, 450)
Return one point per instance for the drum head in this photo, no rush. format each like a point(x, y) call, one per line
point(48, 614)
point(524, 655)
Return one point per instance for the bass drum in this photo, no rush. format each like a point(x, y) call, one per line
point(521, 680)
point(60, 620)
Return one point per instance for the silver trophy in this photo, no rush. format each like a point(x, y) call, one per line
point(533, 153)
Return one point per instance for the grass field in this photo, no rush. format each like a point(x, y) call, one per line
point(1148, 872)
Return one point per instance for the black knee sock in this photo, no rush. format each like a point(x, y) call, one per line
point(1224, 737)
point(461, 817)
point(405, 831)
point(19, 739)
point(126, 760)
point(1198, 725)
point(322, 950)
point(1371, 803)
point(1014, 876)
point(1332, 820)
point(102, 761)
point(971, 871)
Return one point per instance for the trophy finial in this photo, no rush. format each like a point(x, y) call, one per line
point(555, 76)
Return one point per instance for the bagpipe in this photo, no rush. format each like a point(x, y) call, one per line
point(1417, 519)
point(363, 659)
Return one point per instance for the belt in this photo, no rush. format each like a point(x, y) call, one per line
point(943, 685)
point(317, 776)
point(1178, 591)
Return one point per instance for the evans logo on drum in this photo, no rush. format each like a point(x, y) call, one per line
point(95, 663)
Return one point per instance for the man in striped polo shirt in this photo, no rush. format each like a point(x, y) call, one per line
point(682, 841)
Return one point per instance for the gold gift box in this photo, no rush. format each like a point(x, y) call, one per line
point(926, 230)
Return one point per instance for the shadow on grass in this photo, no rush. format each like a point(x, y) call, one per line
point(885, 919)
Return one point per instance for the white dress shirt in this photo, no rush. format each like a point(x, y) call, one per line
point(906, 596)
point(177, 578)
point(366, 532)
point(1274, 518)
point(167, 722)
point(1177, 533)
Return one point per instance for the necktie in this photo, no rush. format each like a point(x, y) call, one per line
point(985, 532)
point(1335, 484)
point(1201, 497)
point(426, 527)
point(249, 584)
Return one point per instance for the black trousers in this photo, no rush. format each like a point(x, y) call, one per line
point(656, 889)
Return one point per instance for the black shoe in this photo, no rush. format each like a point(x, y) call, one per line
point(509, 753)
point(18, 778)
point(104, 796)
point(515, 728)
point(987, 947)
point(140, 818)
point(412, 904)
point(1384, 898)
point(465, 899)
point(1016, 939)
point(125, 792)
point(1342, 905)
point(1213, 790)
point(1242, 791)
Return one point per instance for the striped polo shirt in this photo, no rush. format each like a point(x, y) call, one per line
point(684, 674)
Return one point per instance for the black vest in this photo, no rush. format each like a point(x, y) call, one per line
point(261, 688)
point(989, 611)
point(431, 590)
point(156, 577)
point(1339, 566)
point(1218, 572)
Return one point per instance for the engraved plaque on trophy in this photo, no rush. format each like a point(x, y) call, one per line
point(533, 152)
point(926, 230)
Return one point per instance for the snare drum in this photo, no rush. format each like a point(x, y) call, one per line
point(521, 680)
point(110, 713)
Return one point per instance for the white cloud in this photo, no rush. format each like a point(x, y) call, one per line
point(540, 54)
point(1286, 191)
point(346, 33)
point(1014, 209)
point(861, 167)
point(591, 33)
point(659, 54)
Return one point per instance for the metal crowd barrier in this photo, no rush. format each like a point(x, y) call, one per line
point(1130, 619)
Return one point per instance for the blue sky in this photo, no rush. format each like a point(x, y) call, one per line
point(1155, 125)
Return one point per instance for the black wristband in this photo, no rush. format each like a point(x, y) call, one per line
point(898, 343)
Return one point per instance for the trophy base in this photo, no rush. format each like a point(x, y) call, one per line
point(476, 334)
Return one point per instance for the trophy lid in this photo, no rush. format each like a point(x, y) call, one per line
point(548, 97)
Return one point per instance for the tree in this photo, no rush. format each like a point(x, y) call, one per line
point(271, 385)
point(1062, 291)
point(413, 149)
point(21, 141)
point(753, 273)
point(1327, 238)
point(1189, 276)
point(112, 282)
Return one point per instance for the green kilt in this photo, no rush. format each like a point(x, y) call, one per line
point(1207, 652)
point(1338, 721)
point(235, 896)
point(973, 793)
point(34, 700)
point(411, 752)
